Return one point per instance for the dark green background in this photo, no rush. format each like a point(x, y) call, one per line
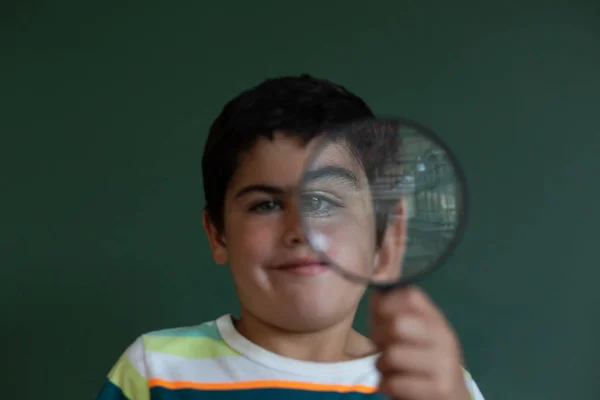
point(105, 108)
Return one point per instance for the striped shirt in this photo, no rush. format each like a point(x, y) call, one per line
point(213, 361)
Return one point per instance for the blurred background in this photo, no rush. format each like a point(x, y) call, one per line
point(105, 107)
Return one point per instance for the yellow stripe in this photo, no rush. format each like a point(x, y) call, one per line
point(188, 347)
point(129, 380)
point(265, 384)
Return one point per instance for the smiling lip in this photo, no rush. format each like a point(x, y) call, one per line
point(303, 267)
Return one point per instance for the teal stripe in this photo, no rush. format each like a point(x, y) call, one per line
point(157, 393)
point(110, 391)
point(208, 330)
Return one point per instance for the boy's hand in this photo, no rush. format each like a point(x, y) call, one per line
point(420, 354)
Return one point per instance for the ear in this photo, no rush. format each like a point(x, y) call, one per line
point(216, 240)
point(388, 261)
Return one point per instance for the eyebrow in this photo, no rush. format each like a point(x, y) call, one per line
point(326, 172)
point(333, 172)
point(274, 190)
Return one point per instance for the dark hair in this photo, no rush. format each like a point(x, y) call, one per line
point(299, 105)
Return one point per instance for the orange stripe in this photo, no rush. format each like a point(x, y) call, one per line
point(267, 384)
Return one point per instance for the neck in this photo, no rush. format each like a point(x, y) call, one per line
point(336, 343)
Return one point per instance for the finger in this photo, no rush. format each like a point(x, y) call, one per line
point(405, 386)
point(411, 299)
point(385, 304)
point(408, 329)
point(412, 360)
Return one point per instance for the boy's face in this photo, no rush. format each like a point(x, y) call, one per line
point(277, 275)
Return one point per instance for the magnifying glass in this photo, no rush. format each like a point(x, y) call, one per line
point(382, 201)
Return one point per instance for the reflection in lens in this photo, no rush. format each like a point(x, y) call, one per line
point(381, 201)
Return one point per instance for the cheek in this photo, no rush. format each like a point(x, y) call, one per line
point(353, 252)
point(253, 241)
point(350, 244)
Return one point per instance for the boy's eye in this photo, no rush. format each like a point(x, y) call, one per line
point(318, 205)
point(268, 205)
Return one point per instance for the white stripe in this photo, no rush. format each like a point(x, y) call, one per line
point(474, 389)
point(135, 354)
point(299, 367)
point(238, 368)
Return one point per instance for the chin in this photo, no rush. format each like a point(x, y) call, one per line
point(308, 319)
point(304, 309)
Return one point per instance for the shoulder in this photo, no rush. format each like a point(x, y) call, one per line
point(198, 341)
point(160, 355)
point(152, 353)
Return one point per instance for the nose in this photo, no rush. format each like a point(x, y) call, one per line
point(293, 232)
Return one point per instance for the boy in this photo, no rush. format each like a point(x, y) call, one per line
point(294, 336)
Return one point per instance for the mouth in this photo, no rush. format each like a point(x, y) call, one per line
point(303, 267)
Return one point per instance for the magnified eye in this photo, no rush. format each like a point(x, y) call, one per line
point(318, 205)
